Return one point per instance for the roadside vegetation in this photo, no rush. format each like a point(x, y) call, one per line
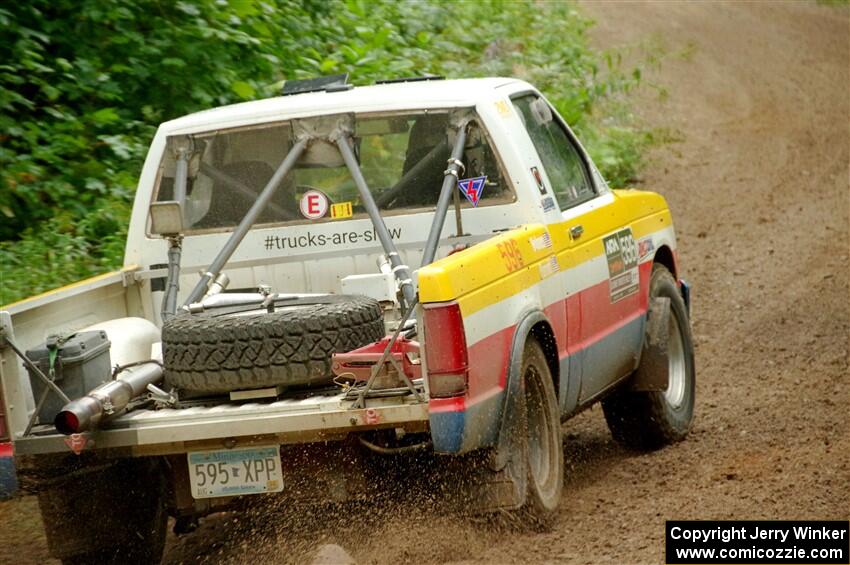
point(84, 83)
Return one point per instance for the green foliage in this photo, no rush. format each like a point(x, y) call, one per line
point(84, 83)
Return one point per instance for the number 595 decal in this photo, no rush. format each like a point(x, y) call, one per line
point(511, 255)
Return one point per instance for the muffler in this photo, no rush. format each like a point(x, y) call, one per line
point(108, 400)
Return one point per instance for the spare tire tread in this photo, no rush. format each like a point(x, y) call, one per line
point(215, 352)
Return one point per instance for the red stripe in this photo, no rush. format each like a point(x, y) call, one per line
point(578, 321)
point(456, 404)
point(599, 318)
point(6, 450)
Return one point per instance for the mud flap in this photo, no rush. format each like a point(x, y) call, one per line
point(498, 491)
point(653, 371)
point(500, 481)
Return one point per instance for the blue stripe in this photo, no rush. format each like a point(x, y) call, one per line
point(8, 481)
point(447, 431)
point(462, 432)
point(589, 371)
point(613, 356)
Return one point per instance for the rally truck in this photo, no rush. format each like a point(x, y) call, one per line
point(319, 281)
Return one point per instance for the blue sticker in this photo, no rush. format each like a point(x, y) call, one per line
point(548, 204)
point(472, 188)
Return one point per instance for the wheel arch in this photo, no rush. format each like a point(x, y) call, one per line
point(665, 256)
point(545, 336)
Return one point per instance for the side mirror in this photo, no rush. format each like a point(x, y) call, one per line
point(166, 218)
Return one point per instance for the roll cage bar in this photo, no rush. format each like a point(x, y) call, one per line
point(335, 131)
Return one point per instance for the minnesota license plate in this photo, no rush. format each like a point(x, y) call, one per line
point(230, 472)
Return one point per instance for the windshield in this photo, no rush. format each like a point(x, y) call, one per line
point(402, 158)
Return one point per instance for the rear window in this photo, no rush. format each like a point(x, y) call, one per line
point(402, 157)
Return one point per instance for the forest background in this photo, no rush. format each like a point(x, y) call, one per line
point(84, 84)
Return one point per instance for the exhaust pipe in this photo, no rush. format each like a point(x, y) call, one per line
point(106, 401)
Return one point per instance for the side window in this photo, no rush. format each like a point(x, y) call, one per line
point(561, 160)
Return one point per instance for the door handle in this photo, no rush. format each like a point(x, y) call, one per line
point(576, 231)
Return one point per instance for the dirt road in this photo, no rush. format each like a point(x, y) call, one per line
point(760, 189)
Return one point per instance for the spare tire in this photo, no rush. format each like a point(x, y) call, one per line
point(247, 347)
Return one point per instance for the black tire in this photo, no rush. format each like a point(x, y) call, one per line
point(247, 348)
point(526, 487)
point(542, 427)
point(115, 514)
point(653, 419)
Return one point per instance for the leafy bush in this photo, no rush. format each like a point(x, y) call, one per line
point(83, 84)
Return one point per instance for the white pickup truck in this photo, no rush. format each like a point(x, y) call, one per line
point(342, 273)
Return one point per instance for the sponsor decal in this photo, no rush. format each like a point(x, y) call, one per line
point(622, 257)
point(541, 242)
point(548, 204)
point(341, 210)
point(538, 178)
point(314, 204)
point(503, 108)
point(511, 255)
point(76, 442)
point(472, 188)
point(645, 247)
point(372, 416)
point(310, 240)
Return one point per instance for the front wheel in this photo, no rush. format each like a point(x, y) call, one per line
point(652, 419)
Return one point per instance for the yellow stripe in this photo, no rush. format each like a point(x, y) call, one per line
point(77, 284)
point(483, 275)
point(482, 264)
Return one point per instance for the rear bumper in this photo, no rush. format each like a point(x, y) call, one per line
point(171, 431)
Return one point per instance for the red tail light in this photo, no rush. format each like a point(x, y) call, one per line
point(445, 350)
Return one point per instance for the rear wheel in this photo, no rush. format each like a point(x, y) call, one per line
point(652, 419)
point(524, 475)
point(545, 461)
point(115, 514)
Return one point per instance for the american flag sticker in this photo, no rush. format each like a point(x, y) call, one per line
point(541, 242)
point(549, 267)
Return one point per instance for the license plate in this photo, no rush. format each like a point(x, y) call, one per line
point(230, 472)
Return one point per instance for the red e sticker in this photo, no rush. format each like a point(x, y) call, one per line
point(314, 205)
